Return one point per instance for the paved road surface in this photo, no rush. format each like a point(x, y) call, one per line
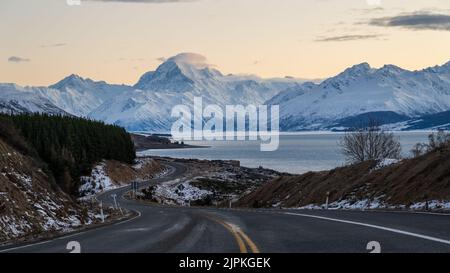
point(207, 230)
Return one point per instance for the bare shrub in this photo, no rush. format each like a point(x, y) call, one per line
point(436, 141)
point(419, 149)
point(369, 143)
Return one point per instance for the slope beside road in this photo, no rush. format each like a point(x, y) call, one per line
point(159, 229)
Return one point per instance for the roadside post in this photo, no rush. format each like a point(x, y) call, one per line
point(230, 201)
point(120, 208)
point(101, 212)
point(134, 188)
point(327, 200)
point(115, 201)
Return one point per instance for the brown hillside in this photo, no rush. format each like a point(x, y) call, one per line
point(412, 180)
point(31, 204)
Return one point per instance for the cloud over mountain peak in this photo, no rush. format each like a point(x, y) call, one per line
point(193, 59)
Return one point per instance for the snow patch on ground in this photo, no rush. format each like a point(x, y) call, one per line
point(174, 192)
point(12, 226)
point(141, 162)
point(432, 205)
point(97, 182)
point(386, 162)
point(350, 204)
point(378, 203)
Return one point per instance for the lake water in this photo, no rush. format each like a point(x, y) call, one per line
point(297, 153)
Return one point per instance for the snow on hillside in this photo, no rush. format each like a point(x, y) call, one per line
point(98, 181)
point(28, 202)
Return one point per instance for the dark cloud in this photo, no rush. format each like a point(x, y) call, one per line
point(15, 59)
point(345, 38)
point(370, 10)
point(54, 45)
point(415, 21)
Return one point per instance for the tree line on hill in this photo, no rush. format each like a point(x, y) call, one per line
point(70, 146)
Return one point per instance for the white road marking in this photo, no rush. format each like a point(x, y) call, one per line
point(417, 235)
point(131, 219)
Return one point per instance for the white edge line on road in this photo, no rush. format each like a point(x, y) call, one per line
point(131, 219)
point(426, 237)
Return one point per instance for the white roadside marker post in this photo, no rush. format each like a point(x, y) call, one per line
point(120, 208)
point(115, 201)
point(101, 212)
point(327, 200)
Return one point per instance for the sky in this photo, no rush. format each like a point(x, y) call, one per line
point(43, 41)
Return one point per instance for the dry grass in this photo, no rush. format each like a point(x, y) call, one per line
point(412, 180)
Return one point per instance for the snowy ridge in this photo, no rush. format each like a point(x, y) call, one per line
point(362, 89)
point(16, 99)
point(80, 96)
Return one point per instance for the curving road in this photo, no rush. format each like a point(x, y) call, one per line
point(159, 229)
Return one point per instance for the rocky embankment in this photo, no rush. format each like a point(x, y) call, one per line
point(33, 205)
point(208, 183)
point(30, 204)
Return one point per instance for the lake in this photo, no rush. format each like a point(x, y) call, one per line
point(297, 153)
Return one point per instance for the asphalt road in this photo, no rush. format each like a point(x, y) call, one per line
point(160, 229)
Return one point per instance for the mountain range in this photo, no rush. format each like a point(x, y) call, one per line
point(389, 95)
point(398, 98)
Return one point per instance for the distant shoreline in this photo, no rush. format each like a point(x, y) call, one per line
point(299, 133)
point(158, 142)
point(172, 147)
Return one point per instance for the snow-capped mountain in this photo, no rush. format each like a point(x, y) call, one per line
point(364, 91)
point(390, 94)
point(72, 95)
point(16, 99)
point(79, 96)
point(177, 81)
